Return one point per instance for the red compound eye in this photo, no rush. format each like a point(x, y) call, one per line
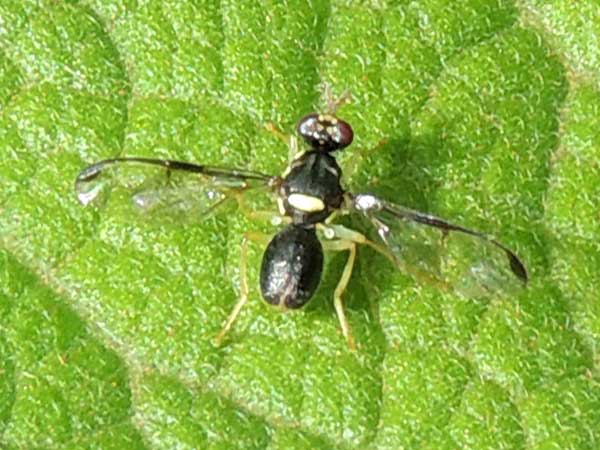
point(325, 132)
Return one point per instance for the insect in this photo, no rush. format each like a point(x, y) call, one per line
point(309, 196)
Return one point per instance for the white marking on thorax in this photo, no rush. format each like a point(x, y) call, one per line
point(306, 203)
point(332, 170)
point(295, 163)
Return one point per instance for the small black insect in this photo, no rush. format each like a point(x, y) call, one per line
point(309, 195)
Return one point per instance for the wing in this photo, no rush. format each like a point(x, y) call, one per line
point(165, 190)
point(431, 249)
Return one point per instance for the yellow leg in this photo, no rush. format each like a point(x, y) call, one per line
point(341, 286)
point(335, 231)
point(250, 236)
point(293, 151)
point(351, 164)
point(262, 215)
point(287, 139)
point(272, 128)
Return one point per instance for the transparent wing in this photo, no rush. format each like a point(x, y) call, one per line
point(449, 255)
point(165, 190)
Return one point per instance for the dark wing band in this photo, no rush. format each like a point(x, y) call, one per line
point(470, 262)
point(165, 189)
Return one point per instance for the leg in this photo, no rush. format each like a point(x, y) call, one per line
point(250, 236)
point(272, 128)
point(334, 231)
point(287, 139)
point(341, 233)
point(342, 284)
point(351, 166)
point(263, 215)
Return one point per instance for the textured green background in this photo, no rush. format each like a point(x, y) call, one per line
point(491, 109)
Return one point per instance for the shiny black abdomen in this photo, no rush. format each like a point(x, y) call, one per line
point(291, 267)
point(314, 174)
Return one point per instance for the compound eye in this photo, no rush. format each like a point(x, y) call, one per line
point(345, 133)
point(325, 132)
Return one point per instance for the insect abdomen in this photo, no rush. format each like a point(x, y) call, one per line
point(291, 267)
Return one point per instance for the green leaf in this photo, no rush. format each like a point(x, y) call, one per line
point(485, 112)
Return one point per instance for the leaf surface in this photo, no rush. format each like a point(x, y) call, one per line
point(482, 112)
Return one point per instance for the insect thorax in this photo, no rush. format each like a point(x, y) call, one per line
point(311, 189)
